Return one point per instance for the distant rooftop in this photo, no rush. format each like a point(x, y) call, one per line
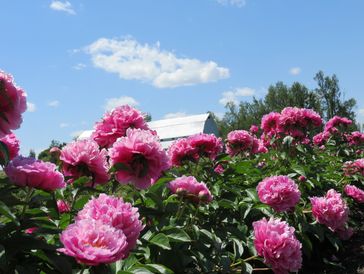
point(172, 129)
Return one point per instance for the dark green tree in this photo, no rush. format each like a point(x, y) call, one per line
point(332, 99)
point(32, 154)
point(45, 155)
point(326, 100)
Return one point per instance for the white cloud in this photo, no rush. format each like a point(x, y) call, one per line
point(63, 125)
point(295, 71)
point(123, 100)
point(237, 3)
point(174, 115)
point(134, 61)
point(79, 66)
point(361, 111)
point(31, 107)
point(53, 104)
point(62, 6)
point(235, 94)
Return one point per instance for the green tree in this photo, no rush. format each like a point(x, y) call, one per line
point(45, 155)
point(332, 99)
point(326, 100)
point(32, 154)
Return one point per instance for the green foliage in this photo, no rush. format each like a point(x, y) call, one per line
point(181, 235)
point(326, 99)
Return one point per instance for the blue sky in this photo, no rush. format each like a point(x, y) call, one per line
point(175, 57)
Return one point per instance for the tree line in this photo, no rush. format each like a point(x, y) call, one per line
point(326, 98)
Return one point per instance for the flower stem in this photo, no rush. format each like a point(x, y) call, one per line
point(30, 192)
point(250, 258)
point(55, 203)
point(261, 269)
point(181, 209)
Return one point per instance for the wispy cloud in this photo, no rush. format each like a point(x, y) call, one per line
point(361, 111)
point(63, 125)
point(295, 71)
point(235, 95)
point(163, 69)
point(53, 104)
point(79, 66)
point(237, 3)
point(62, 6)
point(31, 107)
point(123, 100)
point(174, 115)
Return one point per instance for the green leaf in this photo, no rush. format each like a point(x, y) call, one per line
point(158, 268)
point(60, 262)
point(177, 235)
point(3, 260)
point(4, 154)
point(252, 193)
point(119, 167)
point(238, 248)
point(160, 184)
point(80, 182)
point(160, 240)
point(80, 202)
point(139, 270)
point(127, 264)
point(227, 204)
point(299, 169)
point(4, 210)
point(247, 268)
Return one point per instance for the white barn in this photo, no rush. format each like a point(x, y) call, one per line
point(172, 129)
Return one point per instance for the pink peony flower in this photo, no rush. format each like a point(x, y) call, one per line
point(63, 206)
point(351, 168)
point(12, 104)
point(188, 187)
point(241, 139)
point(334, 122)
point(270, 123)
point(276, 242)
point(296, 122)
point(279, 192)
point(27, 171)
point(115, 124)
point(31, 230)
point(114, 212)
point(142, 155)
point(56, 151)
point(91, 242)
point(219, 169)
point(330, 210)
point(206, 145)
point(83, 158)
point(259, 146)
point(354, 192)
point(254, 129)
point(181, 151)
point(292, 121)
point(356, 138)
point(302, 178)
point(242, 142)
point(321, 138)
point(12, 144)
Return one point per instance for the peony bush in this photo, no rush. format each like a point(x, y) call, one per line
point(282, 201)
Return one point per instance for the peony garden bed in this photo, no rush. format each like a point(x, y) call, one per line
point(285, 196)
